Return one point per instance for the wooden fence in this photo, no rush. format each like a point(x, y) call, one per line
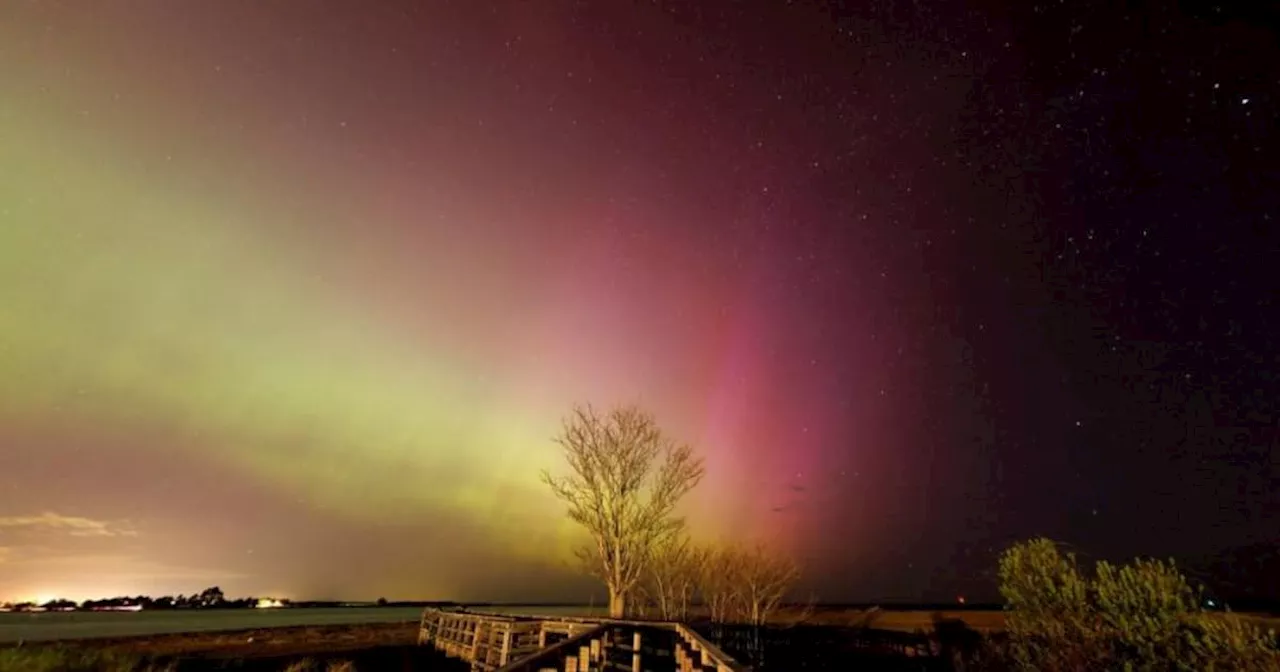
point(501, 642)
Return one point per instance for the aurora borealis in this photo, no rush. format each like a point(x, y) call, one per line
point(293, 295)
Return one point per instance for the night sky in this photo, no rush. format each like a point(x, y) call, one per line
point(294, 294)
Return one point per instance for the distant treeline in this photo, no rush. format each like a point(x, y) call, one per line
point(209, 598)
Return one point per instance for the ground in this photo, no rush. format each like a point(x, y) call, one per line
point(393, 646)
point(271, 642)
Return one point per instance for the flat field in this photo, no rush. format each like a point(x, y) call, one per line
point(55, 626)
point(368, 646)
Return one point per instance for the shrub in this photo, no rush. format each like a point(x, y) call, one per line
point(1135, 617)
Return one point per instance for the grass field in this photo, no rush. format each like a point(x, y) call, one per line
point(371, 646)
point(61, 626)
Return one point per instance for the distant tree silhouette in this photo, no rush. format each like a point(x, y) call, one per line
point(211, 597)
point(382, 601)
point(624, 483)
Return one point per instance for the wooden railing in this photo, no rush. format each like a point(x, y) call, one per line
point(496, 642)
point(631, 647)
point(501, 642)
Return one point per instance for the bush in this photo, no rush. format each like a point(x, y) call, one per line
point(1135, 617)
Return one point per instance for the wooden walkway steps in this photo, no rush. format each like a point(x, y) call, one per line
point(506, 643)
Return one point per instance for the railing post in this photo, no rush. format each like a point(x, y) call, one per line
point(635, 652)
point(571, 664)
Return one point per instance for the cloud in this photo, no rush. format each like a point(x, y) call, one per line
point(72, 525)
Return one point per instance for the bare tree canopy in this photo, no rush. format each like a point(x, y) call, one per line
point(766, 578)
point(674, 575)
point(721, 567)
point(624, 482)
point(746, 584)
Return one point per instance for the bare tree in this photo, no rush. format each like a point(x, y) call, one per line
point(745, 584)
point(718, 579)
point(765, 577)
point(641, 602)
point(674, 575)
point(624, 483)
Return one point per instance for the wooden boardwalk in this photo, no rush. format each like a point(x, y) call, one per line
point(493, 642)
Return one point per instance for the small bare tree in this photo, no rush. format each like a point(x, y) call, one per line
point(641, 602)
point(745, 584)
point(674, 575)
point(719, 582)
point(765, 577)
point(625, 481)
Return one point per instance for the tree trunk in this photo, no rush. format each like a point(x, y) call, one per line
point(617, 603)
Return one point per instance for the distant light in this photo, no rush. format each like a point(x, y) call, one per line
point(960, 599)
point(268, 603)
point(1211, 603)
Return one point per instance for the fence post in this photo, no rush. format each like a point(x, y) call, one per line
point(506, 646)
point(635, 652)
